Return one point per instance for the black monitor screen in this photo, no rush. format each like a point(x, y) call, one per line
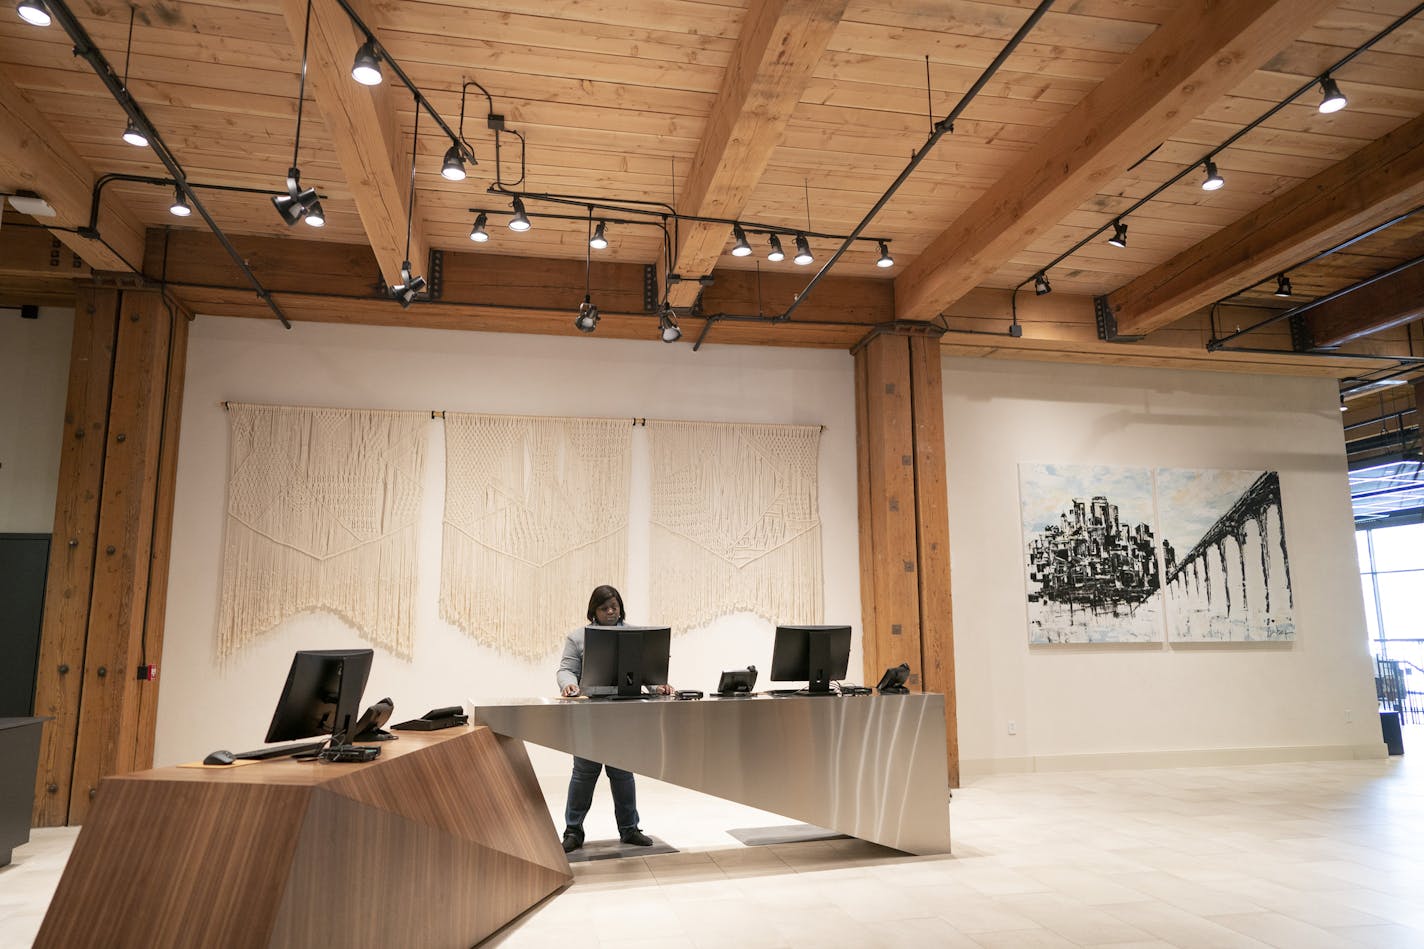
point(812, 654)
point(322, 695)
point(620, 660)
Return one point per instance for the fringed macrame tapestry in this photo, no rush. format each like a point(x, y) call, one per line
point(735, 522)
point(322, 515)
point(536, 516)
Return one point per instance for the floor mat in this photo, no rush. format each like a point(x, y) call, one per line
point(614, 849)
point(783, 834)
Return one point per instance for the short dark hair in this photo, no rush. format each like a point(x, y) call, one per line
point(602, 595)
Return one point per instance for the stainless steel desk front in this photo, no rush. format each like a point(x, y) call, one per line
point(869, 766)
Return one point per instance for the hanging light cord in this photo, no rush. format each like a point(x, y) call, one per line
point(410, 202)
point(302, 85)
point(128, 48)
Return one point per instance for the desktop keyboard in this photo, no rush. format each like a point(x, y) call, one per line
point(281, 751)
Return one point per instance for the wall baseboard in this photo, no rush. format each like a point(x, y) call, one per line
point(982, 767)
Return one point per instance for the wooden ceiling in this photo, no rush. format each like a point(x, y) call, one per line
point(797, 114)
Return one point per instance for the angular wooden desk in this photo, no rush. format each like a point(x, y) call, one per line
point(439, 842)
point(871, 766)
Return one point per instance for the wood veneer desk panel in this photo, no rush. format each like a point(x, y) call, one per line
point(439, 842)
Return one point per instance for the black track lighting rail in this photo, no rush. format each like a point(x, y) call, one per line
point(85, 49)
point(941, 128)
point(1231, 140)
point(103, 181)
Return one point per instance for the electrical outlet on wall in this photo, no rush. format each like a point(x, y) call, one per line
point(1013, 728)
point(1349, 716)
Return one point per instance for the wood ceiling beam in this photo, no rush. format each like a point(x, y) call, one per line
point(35, 157)
point(1386, 303)
point(780, 44)
point(361, 122)
point(1379, 182)
point(1198, 55)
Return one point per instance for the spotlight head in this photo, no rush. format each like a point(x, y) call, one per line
point(366, 69)
point(453, 167)
point(1332, 99)
point(288, 206)
point(803, 251)
point(1283, 285)
point(520, 221)
point(741, 248)
point(598, 241)
point(478, 234)
point(1343, 406)
point(885, 259)
point(1213, 179)
point(777, 254)
point(406, 291)
point(667, 325)
point(297, 202)
point(1041, 286)
point(34, 12)
point(1119, 238)
point(134, 136)
point(587, 319)
point(315, 217)
point(179, 207)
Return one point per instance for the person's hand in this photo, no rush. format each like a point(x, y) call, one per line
point(664, 689)
point(571, 690)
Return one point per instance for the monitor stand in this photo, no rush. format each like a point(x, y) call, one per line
point(630, 665)
point(818, 647)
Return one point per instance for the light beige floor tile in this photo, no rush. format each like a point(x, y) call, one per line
point(1179, 927)
point(1276, 930)
point(1382, 937)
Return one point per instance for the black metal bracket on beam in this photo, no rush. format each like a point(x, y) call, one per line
point(1302, 341)
point(650, 288)
point(436, 278)
point(1107, 323)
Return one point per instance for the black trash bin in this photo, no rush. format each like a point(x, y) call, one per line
point(1393, 735)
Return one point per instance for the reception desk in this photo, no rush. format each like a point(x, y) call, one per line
point(439, 842)
point(870, 766)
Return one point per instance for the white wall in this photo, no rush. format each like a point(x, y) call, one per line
point(34, 377)
point(204, 705)
point(1096, 706)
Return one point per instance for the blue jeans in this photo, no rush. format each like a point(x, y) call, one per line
point(585, 776)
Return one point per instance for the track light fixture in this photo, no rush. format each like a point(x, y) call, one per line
point(667, 325)
point(179, 207)
point(1283, 285)
point(1041, 286)
point(587, 319)
point(598, 241)
point(300, 202)
point(776, 254)
point(453, 167)
point(1343, 406)
point(741, 248)
point(315, 216)
point(520, 221)
point(366, 69)
point(1332, 99)
point(478, 234)
point(1119, 238)
point(1213, 179)
point(803, 251)
point(885, 260)
point(134, 136)
point(405, 291)
point(34, 12)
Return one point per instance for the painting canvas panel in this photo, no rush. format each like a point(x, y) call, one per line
point(1226, 566)
point(1090, 554)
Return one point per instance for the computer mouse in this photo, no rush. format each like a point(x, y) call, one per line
point(220, 757)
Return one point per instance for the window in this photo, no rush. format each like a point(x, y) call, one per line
point(1392, 575)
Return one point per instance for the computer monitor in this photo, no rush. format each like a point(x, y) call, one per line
point(813, 654)
point(322, 695)
point(619, 660)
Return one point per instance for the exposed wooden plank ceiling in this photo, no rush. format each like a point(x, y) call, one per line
point(616, 99)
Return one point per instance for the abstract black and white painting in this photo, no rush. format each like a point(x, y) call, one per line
point(1090, 553)
point(1227, 569)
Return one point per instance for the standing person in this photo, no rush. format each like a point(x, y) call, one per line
point(605, 608)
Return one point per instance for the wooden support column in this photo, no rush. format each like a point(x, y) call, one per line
point(112, 523)
point(904, 521)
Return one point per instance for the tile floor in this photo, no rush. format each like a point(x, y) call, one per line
point(1293, 855)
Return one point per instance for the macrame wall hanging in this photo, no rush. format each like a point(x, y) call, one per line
point(322, 515)
point(735, 522)
point(536, 516)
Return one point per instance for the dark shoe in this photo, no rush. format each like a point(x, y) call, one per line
point(635, 837)
point(573, 840)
